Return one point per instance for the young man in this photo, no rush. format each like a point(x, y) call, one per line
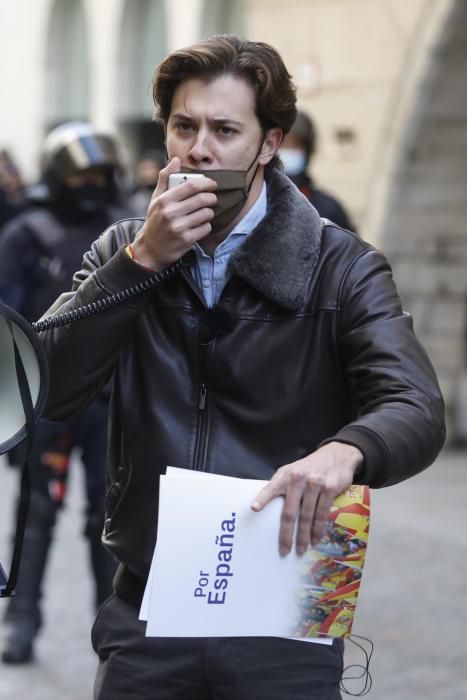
point(278, 351)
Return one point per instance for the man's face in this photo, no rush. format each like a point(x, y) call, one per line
point(214, 126)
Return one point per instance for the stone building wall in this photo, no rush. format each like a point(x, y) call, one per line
point(353, 61)
point(425, 227)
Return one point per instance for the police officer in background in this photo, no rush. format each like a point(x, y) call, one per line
point(39, 251)
point(11, 188)
point(296, 151)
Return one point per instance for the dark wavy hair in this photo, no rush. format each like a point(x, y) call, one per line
point(256, 62)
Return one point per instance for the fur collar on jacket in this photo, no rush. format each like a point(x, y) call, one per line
point(279, 256)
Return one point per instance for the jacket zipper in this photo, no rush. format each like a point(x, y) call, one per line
point(202, 430)
point(202, 427)
point(202, 397)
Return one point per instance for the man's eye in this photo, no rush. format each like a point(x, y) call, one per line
point(225, 130)
point(183, 126)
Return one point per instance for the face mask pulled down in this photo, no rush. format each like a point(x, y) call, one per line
point(232, 192)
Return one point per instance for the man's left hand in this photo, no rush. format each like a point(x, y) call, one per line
point(310, 485)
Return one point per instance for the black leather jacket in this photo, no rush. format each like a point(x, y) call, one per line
point(319, 349)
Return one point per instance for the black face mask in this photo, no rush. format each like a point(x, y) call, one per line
point(232, 191)
point(85, 201)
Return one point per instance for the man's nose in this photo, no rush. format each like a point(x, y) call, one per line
point(200, 150)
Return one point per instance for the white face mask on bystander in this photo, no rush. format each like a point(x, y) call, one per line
point(293, 160)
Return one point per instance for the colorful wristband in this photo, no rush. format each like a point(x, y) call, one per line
point(131, 254)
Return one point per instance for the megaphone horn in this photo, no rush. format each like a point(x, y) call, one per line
point(23, 393)
point(19, 343)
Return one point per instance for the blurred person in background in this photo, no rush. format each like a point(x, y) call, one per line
point(146, 177)
point(39, 251)
point(296, 151)
point(11, 188)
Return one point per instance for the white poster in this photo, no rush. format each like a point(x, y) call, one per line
point(217, 571)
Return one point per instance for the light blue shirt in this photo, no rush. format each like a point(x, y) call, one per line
point(211, 272)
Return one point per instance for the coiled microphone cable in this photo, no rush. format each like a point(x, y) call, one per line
point(107, 302)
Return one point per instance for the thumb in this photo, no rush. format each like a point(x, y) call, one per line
point(173, 166)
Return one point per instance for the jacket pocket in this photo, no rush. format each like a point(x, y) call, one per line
point(95, 626)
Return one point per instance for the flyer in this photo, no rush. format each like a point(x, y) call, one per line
point(217, 571)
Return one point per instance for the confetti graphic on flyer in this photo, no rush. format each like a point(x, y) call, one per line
point(331, 572)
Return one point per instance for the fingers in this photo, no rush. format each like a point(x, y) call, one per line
point(309, 500)
point(309, 485)
point(290, 512)
point(176, 218)
point(309, 504)
point(173, 166)
point(178, 208)
point(192, 187)
point(316, 504)
point(196, 234)
point(322, 510)
point(288, 483)
point(309, 495)
point(266, 495)
point(185, 207)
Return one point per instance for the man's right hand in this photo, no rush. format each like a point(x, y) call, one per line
point(176, 219)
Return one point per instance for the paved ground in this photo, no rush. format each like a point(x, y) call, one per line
point(413, 601)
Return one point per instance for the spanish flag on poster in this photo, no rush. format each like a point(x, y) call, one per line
point(217, 570)
point(330, 586)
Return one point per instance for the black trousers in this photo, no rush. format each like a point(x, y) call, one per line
point(134, 667)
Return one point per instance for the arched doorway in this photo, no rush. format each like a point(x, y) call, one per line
point(67, 67)
point(425, 227)
point(143, 46)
